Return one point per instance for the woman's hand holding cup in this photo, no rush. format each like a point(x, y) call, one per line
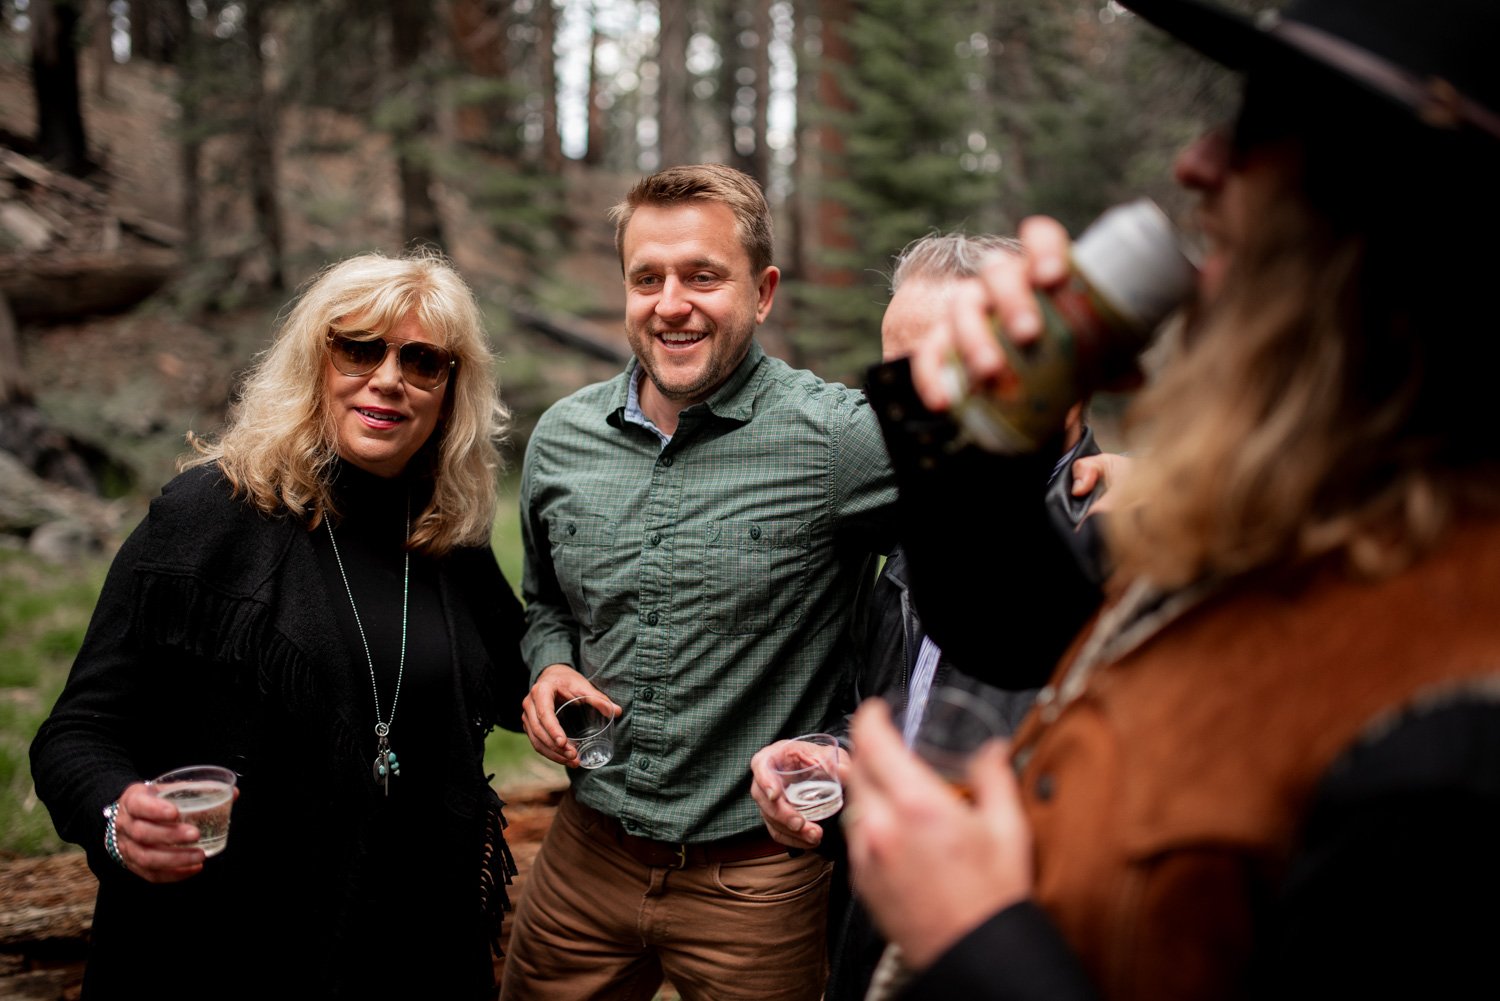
point(153, 840)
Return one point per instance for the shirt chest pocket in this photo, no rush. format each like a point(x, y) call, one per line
point(754, 574)
point(582, 556)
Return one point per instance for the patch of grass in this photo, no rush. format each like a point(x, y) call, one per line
point(44, 610)
point(22, 669)
point(509, 756)
point(505, 536)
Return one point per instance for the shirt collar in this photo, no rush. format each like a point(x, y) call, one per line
point(633, 414)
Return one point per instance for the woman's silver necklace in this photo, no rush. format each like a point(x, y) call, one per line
point(385, 764)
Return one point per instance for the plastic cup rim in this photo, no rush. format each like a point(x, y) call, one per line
point(196, 773)
point(831, 768)
point(593, 733)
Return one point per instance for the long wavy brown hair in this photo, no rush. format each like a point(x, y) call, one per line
point(280, 444)
point(1335, 403)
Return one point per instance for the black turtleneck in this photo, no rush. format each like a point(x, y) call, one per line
point(370, 530)
point(411, 858)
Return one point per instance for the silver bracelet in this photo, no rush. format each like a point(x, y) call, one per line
point(111, 840)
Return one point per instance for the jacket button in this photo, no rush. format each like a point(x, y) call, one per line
point(648, 695)
point(656, 538)
point(572, 528)
point(754, 531)
point(666, 460)
point(645, 764)
point(652, 618)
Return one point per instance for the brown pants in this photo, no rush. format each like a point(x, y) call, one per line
point(595, 923)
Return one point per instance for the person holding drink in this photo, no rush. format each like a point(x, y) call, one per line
point(696, 529)
point(1267, 767)
point(312, 605)
point(899, 661)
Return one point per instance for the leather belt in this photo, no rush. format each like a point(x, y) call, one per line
point(680, 855)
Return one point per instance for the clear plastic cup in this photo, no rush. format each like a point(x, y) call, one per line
point(204, 796)
point(809, 773)
point(590, 732)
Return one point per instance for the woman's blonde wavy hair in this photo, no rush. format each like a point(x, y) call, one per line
point(1331, 406)
point(279, 447)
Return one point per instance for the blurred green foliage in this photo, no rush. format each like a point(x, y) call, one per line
point(43, 612)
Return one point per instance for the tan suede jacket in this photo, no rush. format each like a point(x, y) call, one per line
point(1169, 767)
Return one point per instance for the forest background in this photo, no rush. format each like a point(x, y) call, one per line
point(172, 170)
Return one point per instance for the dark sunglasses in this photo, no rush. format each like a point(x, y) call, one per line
point(425, 366)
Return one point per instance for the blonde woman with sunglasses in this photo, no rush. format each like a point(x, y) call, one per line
point(313, 604)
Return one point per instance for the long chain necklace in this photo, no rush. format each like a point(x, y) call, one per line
point(385, 764)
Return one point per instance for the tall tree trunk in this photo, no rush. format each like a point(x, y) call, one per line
point(593, 153)
point(546, 55)
point(420, 221)
point(673, 139)
point(261, 151)
point(733, 20)
point(796, 251)
point(1015, 90)
point(189, 127)
point(101, 46)
point(477, 30)
point(54, 77)
point(760, 158)
point(830, 220)
point(152, 30)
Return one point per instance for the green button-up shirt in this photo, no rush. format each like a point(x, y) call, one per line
point(707, 584)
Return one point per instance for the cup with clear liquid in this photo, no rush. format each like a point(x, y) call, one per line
point(808, 767)
point(204, 796)
point(954, 724)
point(590, 732)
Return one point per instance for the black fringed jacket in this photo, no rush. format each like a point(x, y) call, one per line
point(215, 642)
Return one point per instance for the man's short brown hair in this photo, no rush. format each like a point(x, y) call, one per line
point(711, 182)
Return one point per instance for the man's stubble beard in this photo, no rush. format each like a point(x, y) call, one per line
point(714, 374)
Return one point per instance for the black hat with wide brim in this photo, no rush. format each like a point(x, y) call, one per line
point(1437, 59)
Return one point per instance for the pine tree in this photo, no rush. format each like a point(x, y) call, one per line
point(901, 173)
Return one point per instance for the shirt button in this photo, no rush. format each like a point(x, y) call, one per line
point(1045, 787)
point(648, 695)
point(572, 528)
point(656, 538)
point(645, 764)
point(666, 460)
point(652, 618)
point(754, 531)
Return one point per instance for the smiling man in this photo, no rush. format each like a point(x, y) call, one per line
point(696, 529)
